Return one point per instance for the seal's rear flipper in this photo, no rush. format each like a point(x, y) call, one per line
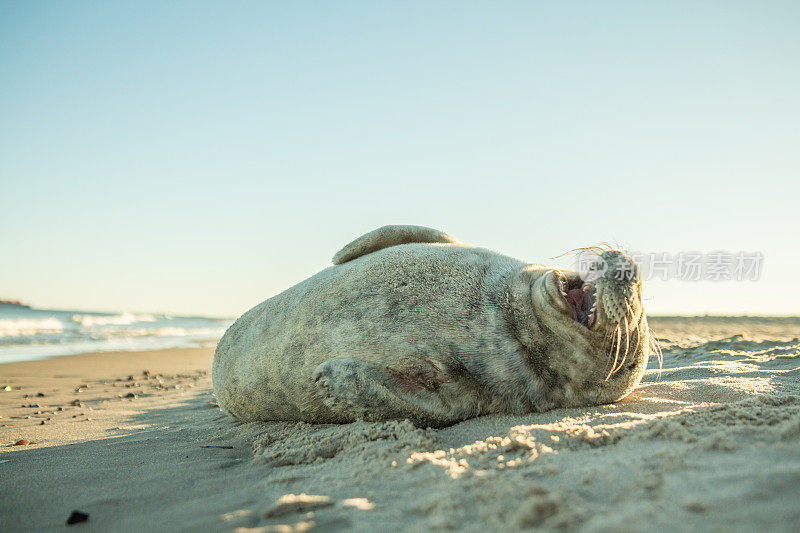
point(414, 388)
point(390, 236)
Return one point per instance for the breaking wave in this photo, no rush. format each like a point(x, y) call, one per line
point(27, 333)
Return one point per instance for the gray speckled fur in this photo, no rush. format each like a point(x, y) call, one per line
point(434, 332)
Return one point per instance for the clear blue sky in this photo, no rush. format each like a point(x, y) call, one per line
point(199, 157)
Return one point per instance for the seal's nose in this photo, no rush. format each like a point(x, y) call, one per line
point(620, 267)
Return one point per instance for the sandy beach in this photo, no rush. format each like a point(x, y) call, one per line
point(710, 442)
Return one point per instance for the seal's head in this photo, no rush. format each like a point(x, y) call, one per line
point(590, 328)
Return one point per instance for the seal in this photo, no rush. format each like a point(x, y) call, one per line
point(411, 323)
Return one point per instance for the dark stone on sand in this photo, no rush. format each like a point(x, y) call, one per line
point(77, 517)
point(130, 395)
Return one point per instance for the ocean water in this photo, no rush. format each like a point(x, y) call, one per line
point(27, 333)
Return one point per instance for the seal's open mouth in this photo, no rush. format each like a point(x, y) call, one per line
point(580, 296)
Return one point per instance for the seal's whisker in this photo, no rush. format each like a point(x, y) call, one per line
point(615, 342)
point(644, 333)
point(638, 328)
point(616, 355)
point(576, 251)
point(598, 249)
point(657, 349)
point(638, 336)
point(616, 368)
point(627, 346)
point(608, 340)
point(627, 327)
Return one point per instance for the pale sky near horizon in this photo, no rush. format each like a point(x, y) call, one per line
point(200, 157)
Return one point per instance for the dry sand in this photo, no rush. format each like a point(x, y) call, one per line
point(711, 444)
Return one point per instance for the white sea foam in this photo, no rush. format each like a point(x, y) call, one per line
point(10, 327)
point(105, 320)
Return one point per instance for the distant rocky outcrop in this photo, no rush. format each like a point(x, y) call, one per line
point(14, 302)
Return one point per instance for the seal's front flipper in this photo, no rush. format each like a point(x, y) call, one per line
point(415, 388)
point(390, 236)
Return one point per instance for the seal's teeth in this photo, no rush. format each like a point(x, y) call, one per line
point(562, 286)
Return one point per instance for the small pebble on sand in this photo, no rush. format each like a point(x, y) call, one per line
point(76, 517)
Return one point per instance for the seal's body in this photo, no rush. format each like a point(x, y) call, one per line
point(412, 324)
